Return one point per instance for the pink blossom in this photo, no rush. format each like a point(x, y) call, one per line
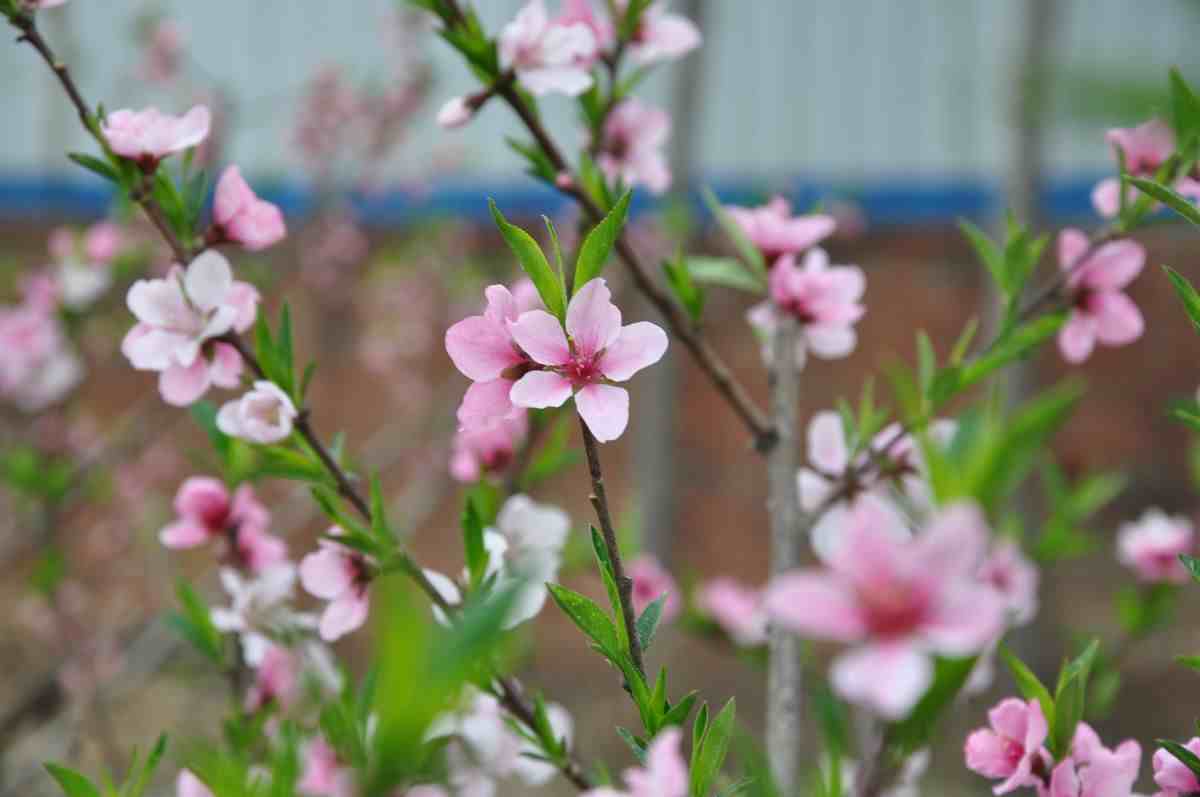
point(276, 680)
point(546, 56)
point(102, 242)
point(1012, 749)
point(662, 36)
point(824, 299)
point(38, 368)
point(324, 775)
point(455, 113)
point(179, 316)
point(600, 350)
point(1172, 775)
point(737, 609)
point(163, 54)
point(1100, 309)
point(208, 512)
point(339, 575)
point(241, 217)
point(148, 136)
point(1151, 547)
point(1008, 571)
point(260, 608)
point(775, 231)
point(40, 4)
point(483, 350)
point(479, 450)
point(1146, 148)
point(900, 598)
point(263, 415)
point(188, 785)
point(665, 773)
point(631, 148)
point(650, 582)
point(1092, 770)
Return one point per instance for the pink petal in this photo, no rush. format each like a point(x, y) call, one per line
point(1072, 244)
point(148, 348)
point(987, 754)
point(541, 336)
point(1118, 320)
point(501, 304)
point(1106, 197)
point(192, 128)
point(485, 404)
point(226, 367)
point(831, 341)
point(480, 348)
point(208, 280)
point(815, 603)
point(182, 386)
point(243, 298)
point(954, 542)
point(639, 346)
point(157, 303)
point(964, 621)
point(540, 389)
point(593, 321)
point(827, 442)
point(327, 573)
point(184, 534)
point(233, 195)
point(202, 497)
point(1114, 265)
point(889, 678)
point(605, 409)
point(1064, 780)
point(345, 614)
point(1077, 337)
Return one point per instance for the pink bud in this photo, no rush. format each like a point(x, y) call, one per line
point(242, 217)
point(455, 113)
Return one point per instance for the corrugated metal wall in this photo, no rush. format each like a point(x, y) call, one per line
point(853, 89)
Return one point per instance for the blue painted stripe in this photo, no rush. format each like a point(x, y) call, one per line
point(884, 202)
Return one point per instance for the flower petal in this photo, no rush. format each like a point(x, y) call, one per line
point(605, 409)
point(639, 346)
point(327, 573)
point(889, 678)
point(540, 389)
point(480, 348)
point(208, 280)
point(181, 386)
point(345, 614)
point(815, 603)
point(593, 321)
point(1077, 337)
point(827, 442)
point(1118, 319)
point(541, 336)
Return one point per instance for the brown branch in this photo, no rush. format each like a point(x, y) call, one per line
point(599, 500)
point(514, 702)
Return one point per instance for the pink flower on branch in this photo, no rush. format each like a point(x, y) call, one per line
point(737, 609)
point(652, 581)
point(150, 135)
point(631, 148)
point(1015, 578)
point(665, 773)
point(1100, 312)
point(824, 299)
point(900, 598)
point(599, 351)
point(1013, 748)
point(178, 318)
point(481, 450)
point(240, 217)
point(1172, 775)
point(1145, 149)
point(276, 680)
point(775, 231)
point(263, 415)
point(662, 36)
point(339, 575)
point(1151, 547)
point(324, 775)
point(547, 56)
point(207, 511)
point(1093, 770)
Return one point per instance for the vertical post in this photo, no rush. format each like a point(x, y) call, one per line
point(785, 706)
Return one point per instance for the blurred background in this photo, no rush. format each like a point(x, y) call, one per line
point(899, 118)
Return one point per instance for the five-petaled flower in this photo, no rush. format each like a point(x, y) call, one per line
point(150, 135)
point(652, 581)
point(240, 217)
point(339, 575)
point(547, 56)
point(178, 319)
point(1151, 547)
point(1100, 310)
point(594, 351)
point(1012, 749)
point(902, 598)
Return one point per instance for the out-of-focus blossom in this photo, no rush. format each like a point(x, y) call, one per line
point(1013, 747)
point(163, 51)
point(207, 511)
point(1093, 770)
point(901, 598)
point(324, 775)
point(665, 773)
point(775, 232)
point(662, 36)
point(600, 350)
point(241, 217)
point(547, 56)
point(38, 368)
point(263, 415)
point(1173, 776)
point(328, 108)
point(737, 609)
point(178, 318)
point(1152, 545)
point(339, 575)
point(455, 113)
point(484, 450)
point(631, 148)
point(825, 300)
point(1008, 571)
point(150, 135)
point(260, 609)
point(276, 680)
point(652, 581)
point(37, 5)
point(188, 785)
point(1100, 309)
point(1145, 148)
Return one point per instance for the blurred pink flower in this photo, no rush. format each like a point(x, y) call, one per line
point(455, 113)
point(600, 350)
point(241, 217)
point(1092, 770)
point(775, 231)
point(651, 581)
point(323, 774)
point(661, 35)
point(163, 50)
point(264, 415)
point(487, 450)
point(1101, 312)
point(339, 575)
point(1013, 747)
point(1008, 571)
point(900, 598)
point(824, 299)
point(665, 773)
point(102, 242)
point(1172, 775)
point(207, 511)
point(547, 56)
point(38, 368)
point(148, 136)
point(1145, 148)
point(737, 609)
point(276, 680)
point(632, 146)
point(1152, 545)
point(188, 785)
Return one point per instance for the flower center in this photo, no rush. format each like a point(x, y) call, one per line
point(581, 371)
point(893, 609)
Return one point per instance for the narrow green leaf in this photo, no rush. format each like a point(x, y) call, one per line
point(912, 733)
point(96, 165)
point(689, 295)
point(1169, 197)
point(533, 262)
point(1029, 685)
point(647, 623)
point(987, 251)
point(710, 758)
point(1185, 756)
point(1070, 699)
point(597, 246)
point(476, 555)
point(746, 250)
point(724, 271)
point(589, 617)
point(1186, 293)
point(71, 782)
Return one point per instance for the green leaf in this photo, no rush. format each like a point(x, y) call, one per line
point(286, 361)
point(987, 251)
point(708, 759)
point(1070, 699)
point(746, 250)
point(533, 262)
point(476, 555)
point(96, 165)
point(1019, 342)
point(724, 271)
point(286, 463)
point(647, 623)
point(598, 245)
point(678, 713)
point(194, 623)
point(1169, 197)
point(143, 772)
point(71, 782)
point(949, 676)
point(610, 586)
point(1187, 294)
point(380, 528)
point(589, 617)
point(1192, 564)
point(689, 295)
point(1029, 684)
point(1184, 109)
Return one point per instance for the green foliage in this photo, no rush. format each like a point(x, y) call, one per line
point(74, 784)
point(751, 258)
point(1070, 699)
point(472, 528)
point(1168, 196)
point(914, 731)
point(685, 290)
point(34, 474)
point(194, 623)
point(708, 755)
point(533, 261)
point(1184, 755)
point(647, 622)
point(1029, 685)
point(275, 353)
point(597, 246)
point(724, 271)
point(1146, 609)
point(1070, 506)
point(1184, 115)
